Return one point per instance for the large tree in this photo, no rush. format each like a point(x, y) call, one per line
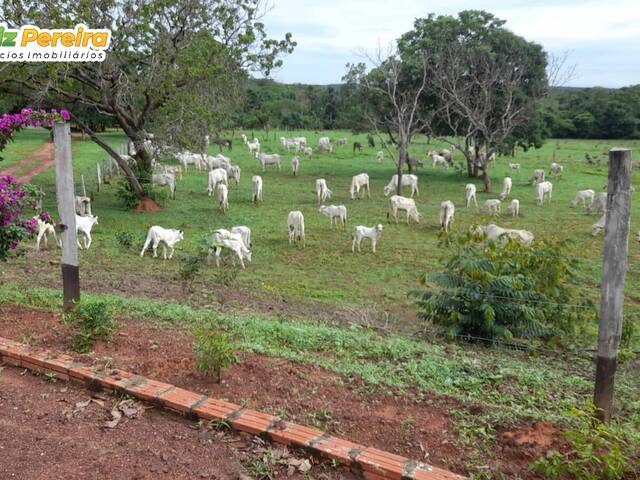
point(487, 82)
point(174, 68)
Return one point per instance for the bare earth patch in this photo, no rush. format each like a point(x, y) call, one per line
point(33, 165)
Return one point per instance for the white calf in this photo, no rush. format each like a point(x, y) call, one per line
point(556, 169)
point(447, 210)
point(493, 206)
point(216, 177)
point(167, 179)
point(470, 194)
point(543, 189)
point(437, 160)
point(254, 146)
point(223, 196)
point(256, 187)
point(84, 226)
point(222, 238)
point(599, 203)
point(335, 213)
point(360, 232)
point(295, 165)
point(583, 196)
point(167, 236)
point(506, 188)
point(44, 229)
point(599, 225)
point(272, 159)
point(380, 156)
point(244, 138)
point(245, 234)
point(322, 190)
point(357, 182)
point(514, 207)
point(408, 180)
point(234, 171)
point(396, 202)
point(307, 151)
point(538, 176)
point(295, 223)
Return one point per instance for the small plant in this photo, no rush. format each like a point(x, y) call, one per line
point(93, 320)
point(214, 351)
point(125, 239)
point(406, 425)
point(189, 268)
point(598, 451)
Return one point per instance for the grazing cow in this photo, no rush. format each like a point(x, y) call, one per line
point(599, 203)
point(470, 194)
point(245, 233)
point(335, 213)
point(543, 190)
point(234, 171)
point(538, 176)
point(83, 206)
point(223, 196)
point(295, 223)
point(223, 142)
point(408, 180)
point(597, 227)
point(414, 162)
point(167, 236)
point(302, 141)
point(322, 190)
point(44, 229)
point(495, 233)
point(217, 161)
point(583, 196)
point(222, 238)
point(396, 202)
point(167, 179)
point(176, 170)
point(272, 159)
point(493, 206)
point(295, 165)
point(506, 188)
point(514, 207)
point(307, 151)
point(217, 176)
point(84, 226)
point(357, 182)
point(447, 210)
point(340, 142)
point(556, 169)
point(447, 155)
point(324, 145)
point(256, 188)
point(357, 146)
point(380, 156)
point(437, 160)
point(360, 232)
point(254, 146)
point(188, 158)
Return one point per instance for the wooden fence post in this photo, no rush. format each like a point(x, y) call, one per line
point(65, 195)
point(614, 269)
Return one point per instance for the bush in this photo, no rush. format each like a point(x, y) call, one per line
point(189, 268)
point(17, 205)
point(93, 320)
point(502, 291)
point(214, 351)
point(125, 239)
point(598, 451)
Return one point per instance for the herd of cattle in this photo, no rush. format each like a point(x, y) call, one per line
point(238, 239)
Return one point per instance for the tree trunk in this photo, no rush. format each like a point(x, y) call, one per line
point(486, 179)
point(402, 157)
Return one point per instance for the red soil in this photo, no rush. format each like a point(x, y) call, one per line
point(35, 163)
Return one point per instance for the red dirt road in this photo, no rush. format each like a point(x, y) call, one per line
point(34, 164)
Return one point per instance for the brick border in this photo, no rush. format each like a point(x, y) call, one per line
point(372, 463)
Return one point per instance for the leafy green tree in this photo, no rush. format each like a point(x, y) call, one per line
point(174, 68)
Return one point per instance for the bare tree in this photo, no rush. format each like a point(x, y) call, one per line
point(393, 91)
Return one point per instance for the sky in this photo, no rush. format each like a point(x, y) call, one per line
point(601, 38)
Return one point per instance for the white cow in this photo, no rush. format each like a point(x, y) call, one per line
point(44, 229)
point(217, 176)
point(380, 156)
point(84, 226)
point(245, 234)
point(538, 176)
point(514, 166)
point(556, 169)
point(176, 170)
point(357, 182)
point(307, 151)
point(295, 165)
point(216, 161)
point(583, 196)
point(360, 232)
point(599, 225)
point(495, 233)
point(187, 158)
point(543, 190)
point(254, 146)
point(447, 210)
point(322, 190)
point(300, 140)
point(324, 145)
point(256, 188)
point(470, 194)
point(437, 160)
point(83, 206)
point(341, 141)
point(408, 180)
point(599, 203)
point(396, 202)
point(493, 206)
point(244, 138)
point(167, 179)
point(335, 213)
point(271, 159)
point(167, 236)
point(223, 196)
point(234, 171)
point(506, 188)
point(222, 238)
point(295, 223)
point(514, 207)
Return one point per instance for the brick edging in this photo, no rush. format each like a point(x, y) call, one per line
point(373, 463)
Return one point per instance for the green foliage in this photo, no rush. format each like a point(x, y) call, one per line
point(599, 451)
point(190, 266)
point(125, 239)
point(503, 291)
point(93, 320)
point(214, 350)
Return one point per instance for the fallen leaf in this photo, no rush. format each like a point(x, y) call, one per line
point(117, 416)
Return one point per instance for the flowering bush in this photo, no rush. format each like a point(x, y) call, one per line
point(10, 123)
point(15, 201)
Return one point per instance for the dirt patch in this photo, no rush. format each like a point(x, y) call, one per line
point(540, 435)
point(409, 423)
point(146, 205)
point(36, 163)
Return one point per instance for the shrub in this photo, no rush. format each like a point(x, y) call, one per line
point(598, 451)
point(214, 351)
point(125, 239)
point(502, 291)
point(93, 320)
point(17, 204)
